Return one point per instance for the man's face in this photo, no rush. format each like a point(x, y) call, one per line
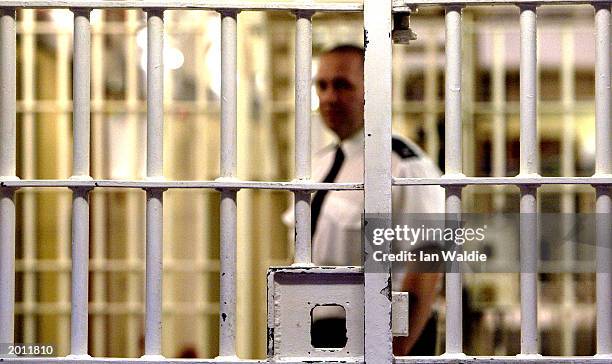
point(339, 83)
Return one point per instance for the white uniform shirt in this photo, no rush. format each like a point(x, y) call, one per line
point(337, 239)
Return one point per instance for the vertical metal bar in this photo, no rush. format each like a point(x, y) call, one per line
point(303, 56)
point(80, 203)
point(377, 173)
point(28, 166)
point(8, 169)
point(170, 229)
point(8, 93)
point(568, 169)
point(528, 97)
point(155, 136)
point(603, 208)
point(227, 303)
point(603, 166)
point(453, 167)
point(81, 92)
point(7, 264)
point(499, 117)
point(528, 167)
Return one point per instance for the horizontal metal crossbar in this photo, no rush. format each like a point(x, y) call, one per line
point(399, 360)
point(152, 184)
point(201, 5)
point(520, 359)
point(307, 186)
point(464, 181)
point(398, 5)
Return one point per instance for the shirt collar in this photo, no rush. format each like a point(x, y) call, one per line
point(353, 145)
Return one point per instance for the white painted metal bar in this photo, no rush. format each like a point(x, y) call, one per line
point(154, 220)
point(228, 214)
point(237, 5)
point(529, 169)
point(8, 169)
point(398, 4)
point(399, 360)
point(303, 58)
point(292, 186)
point(230, 5)
point(80, 203)
point(498, 71)
point(568, 168)
point(603, 166)
point(377, 173)
point(8, 163)
point(453, 169)
point(28, 166)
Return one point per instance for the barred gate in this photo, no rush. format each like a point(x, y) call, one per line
point(377, 185)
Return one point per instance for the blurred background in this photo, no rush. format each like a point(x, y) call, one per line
point(265, 152)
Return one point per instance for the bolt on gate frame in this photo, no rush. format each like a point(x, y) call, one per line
point(377, 171)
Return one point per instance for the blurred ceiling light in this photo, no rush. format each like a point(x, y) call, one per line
point(173, 57)
point(61, 17)
point(65, 18)
point(213, 54)
point(95, 16)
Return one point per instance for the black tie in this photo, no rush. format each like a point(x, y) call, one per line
point(319, 196)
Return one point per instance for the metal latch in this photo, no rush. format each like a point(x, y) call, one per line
point(399, 323)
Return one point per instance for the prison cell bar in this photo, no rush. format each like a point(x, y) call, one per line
point(377, 175)
point(528, 168)
point(453, 169)
point(80, 202)
point(603, 166)
point(8, 170)
point(506, 181)
point(154, 205)
point(303, 60)
point(228, 213)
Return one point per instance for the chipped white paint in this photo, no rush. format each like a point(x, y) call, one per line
point(8, 163)
point(294, 292)
point(377, 173)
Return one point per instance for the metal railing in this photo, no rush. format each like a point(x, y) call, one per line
point(377, 182)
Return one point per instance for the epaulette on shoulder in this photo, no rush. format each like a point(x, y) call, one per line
point(402, 149)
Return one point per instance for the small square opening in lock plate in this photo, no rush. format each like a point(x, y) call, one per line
point(328, 327)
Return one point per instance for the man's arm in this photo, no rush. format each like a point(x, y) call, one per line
point(422, 289)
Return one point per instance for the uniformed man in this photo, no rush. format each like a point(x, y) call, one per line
point(336, 215)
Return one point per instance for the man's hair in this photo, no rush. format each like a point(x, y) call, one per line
point(347, 49)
